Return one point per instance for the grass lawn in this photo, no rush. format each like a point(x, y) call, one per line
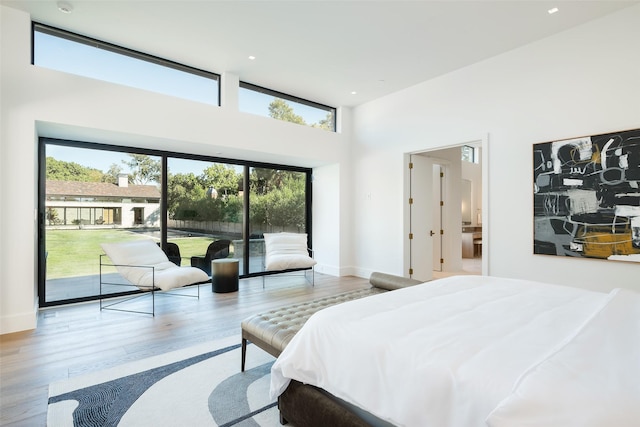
point(77, 252)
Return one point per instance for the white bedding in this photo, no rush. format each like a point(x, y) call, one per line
point(444, 353)
point(592, 380)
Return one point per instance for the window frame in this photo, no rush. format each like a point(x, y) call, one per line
point(113, 48)
point(164, 156)
point(287, 97)
point(475, 158)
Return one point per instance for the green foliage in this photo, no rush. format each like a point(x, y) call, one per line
point(277, 197)
point(53, 217)
point(233, 209)
point(326, 123)
point(144, 169)
point(279, 109)
point(221, 177)
point(262, 181)
point(111, 175)
point(182, 189)
point(189, 198)
point(283, 204)
point(59, 170)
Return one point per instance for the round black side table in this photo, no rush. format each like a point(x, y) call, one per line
point(224, 275)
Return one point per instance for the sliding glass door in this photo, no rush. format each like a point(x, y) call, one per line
point(93, 193)
point(204, 204)
point(92, 197)
point(277, 202)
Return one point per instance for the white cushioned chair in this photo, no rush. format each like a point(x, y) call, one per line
point(145, 266)
point(286, 252)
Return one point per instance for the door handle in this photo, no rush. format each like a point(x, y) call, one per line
point(431, 233)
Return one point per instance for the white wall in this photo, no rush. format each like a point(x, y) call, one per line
point(580, 82)
point(41, 102)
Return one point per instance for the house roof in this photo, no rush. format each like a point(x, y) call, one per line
point(104, 189)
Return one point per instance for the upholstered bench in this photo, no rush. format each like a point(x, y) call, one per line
point(272, 331)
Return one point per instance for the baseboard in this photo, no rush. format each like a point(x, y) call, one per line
point(342, 271)
point(327, 269)
point(19, 322)
point(355, 271)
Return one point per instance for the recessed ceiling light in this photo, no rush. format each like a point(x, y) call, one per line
point(354, 92)
point(251, 57)
point(64, 7)
point(552, 10)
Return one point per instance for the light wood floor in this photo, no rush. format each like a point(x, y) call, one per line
point(78, 339)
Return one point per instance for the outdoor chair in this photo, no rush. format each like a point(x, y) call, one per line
point(216, 250)
point(146, 268)
point(287, 252)
point(173, 253)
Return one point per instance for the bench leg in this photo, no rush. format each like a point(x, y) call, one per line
point(244, 354)
point(283, 420)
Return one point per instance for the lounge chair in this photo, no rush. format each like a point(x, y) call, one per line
point(146, 267)
point(287, 252)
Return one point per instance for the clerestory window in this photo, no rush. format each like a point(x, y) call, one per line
point(72, 53)
point(269, 103)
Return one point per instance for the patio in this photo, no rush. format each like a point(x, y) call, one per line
point(76, 287)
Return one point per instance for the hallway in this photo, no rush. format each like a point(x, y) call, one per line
point(471, 266)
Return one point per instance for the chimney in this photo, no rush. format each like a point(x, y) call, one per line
point(123, 180)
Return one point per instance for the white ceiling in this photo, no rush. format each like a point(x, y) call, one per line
point(322, 50)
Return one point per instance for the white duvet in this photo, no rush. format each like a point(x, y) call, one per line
point(463, 351)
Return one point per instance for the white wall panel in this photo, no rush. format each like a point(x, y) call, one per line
point(580, 82)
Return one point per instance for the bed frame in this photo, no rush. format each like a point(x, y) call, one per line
point(309, 406)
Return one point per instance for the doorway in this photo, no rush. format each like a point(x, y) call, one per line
point(138, 216)
point(448, 171)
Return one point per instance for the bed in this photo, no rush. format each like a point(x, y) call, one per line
point(467, 351)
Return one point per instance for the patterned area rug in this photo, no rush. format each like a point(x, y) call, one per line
point(198, 386)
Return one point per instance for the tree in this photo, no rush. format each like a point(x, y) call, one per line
point(221, 177)
point(59, 170)
point(182, 189)
point(233, 208)
point(111, 175)
point(143, 169)
point(283, 205)
point(52, 216)
point(326, 123)
point(262, 180)
point(279, 109)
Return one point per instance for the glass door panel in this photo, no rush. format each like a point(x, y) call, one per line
point(90, 198)
point(204, 204)
point(277, 202)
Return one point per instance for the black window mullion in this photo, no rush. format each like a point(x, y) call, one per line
point(164, 185)
point(164, 157)
point(246, 223)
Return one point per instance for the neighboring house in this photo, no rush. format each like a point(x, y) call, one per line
point(102, 203)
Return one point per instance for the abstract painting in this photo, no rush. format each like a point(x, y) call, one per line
point(586, 197)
